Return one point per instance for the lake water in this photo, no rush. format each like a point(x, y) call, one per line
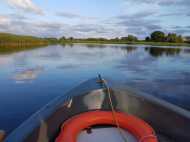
point(30, 79)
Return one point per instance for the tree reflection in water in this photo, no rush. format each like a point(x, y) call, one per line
point(128, 49)
point(162, 51)
point(186, 51)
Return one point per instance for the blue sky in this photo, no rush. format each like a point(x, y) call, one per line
point(94, 18)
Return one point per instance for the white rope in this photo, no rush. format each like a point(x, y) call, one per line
point(115, 118)
point(70, 103)
point(113, 110)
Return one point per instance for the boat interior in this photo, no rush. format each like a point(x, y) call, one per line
point(170, 122)
point(103, 134)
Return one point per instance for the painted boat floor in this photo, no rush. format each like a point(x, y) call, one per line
point(110, 134)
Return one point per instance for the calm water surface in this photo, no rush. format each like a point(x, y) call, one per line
point(30, 79)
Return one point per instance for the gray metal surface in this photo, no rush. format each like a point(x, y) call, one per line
point(170, 122)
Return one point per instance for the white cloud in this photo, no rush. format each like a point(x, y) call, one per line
point(160, 2)
point(68, 15)
point(4, 20)
point(26, 5)
point(71, 16)
point(137, 17)
point(131, 7)
point(156, 6)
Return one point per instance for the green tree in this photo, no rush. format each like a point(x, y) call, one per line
point(132, 38)
point(158, 36)
point(52, 40)
point(180, 39)
point(173, 37)
point(124, 38)
point(71, 38)
point(186, 39)
point(62, 38)
point(115, 39)
point(147, 38)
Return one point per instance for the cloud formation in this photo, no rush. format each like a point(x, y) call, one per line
point(139, 23)
point(68, 15)
point(162, 2)
point(4, 20)
point(25, 5)
point(71, 15)
point(138, 17)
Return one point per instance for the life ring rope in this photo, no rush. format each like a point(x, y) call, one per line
point(72, 127)
point(104, 82)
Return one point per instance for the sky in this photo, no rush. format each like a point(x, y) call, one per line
point(94, 18)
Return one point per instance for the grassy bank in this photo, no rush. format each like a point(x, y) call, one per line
point(14, 43)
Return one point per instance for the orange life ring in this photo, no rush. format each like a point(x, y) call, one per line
point(72, 127)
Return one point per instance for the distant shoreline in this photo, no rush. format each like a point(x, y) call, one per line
point(14, 47)
point(13, 43)
point(132, 43)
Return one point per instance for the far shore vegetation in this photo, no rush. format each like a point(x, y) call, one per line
point(12, 43)
point(157, 38)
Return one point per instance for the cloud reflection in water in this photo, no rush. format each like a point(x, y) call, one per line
point(28, 74)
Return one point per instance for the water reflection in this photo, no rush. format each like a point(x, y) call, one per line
point(70, 66)
point(28, 74)
point(186, 51)
point(128, 49)
point(162, 72)
point(4, 60)
point(159, 51)
point(96, 45)
point(67, 45)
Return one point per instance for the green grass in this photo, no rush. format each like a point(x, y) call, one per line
point(13, 43)
point(11, 38)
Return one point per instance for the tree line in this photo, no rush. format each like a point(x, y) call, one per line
point(130, 38)
point(159, 36)
point(156, 36)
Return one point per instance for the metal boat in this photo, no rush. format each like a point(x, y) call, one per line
point(170, 123)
